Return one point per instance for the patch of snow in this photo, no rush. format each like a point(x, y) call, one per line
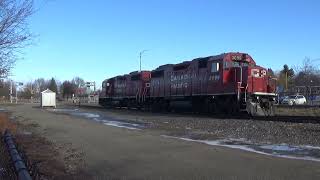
point(290, 152)
point(63, 110)
point(281, 147)
point(120, 125)
point(87, 115)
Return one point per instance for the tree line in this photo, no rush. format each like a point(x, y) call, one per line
point(305, 75)
point(33, 89)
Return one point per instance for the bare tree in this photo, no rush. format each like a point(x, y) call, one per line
point(308, 74)
point(68, 88)
point(14, 33)
point(40, 84)
point(79, 82)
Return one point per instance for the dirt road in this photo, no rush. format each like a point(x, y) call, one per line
point(117, 153)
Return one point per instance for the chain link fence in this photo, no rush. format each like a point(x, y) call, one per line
point(311, 93)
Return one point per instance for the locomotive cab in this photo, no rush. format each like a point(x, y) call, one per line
point(261, 88)
point(106, 94)
point(255, 90)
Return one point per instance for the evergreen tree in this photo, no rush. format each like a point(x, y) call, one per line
point(53, 85)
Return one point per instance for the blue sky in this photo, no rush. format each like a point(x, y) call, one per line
point(99, 39)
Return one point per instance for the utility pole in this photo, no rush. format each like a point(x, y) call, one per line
point(17, 86)
point(286, 81)
point(140, 55)
point(11, 91)
point(16, 95)
point(31, 92)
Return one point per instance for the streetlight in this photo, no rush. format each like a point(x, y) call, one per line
point(140, 54)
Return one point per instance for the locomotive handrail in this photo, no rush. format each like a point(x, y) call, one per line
point(140, 95)
point(245, 93)
point(137, 94)
point(238, 90)
point(143, 94)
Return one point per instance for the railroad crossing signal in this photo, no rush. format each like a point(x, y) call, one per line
point(89, 84)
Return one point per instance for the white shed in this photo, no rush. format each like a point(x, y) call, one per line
point(48, 98)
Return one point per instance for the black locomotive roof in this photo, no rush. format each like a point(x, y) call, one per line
point(163, 67)
point(217, 57)
point(186, 63)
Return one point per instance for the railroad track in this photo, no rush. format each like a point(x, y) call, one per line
point(244, 116)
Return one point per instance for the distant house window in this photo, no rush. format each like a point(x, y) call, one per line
point(215, 67)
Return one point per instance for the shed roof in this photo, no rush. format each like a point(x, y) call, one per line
point(47, 91)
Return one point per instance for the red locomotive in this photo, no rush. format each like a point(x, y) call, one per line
point(229, 83)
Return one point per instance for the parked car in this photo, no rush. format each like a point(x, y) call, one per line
point(281, 98)
point(295, 100)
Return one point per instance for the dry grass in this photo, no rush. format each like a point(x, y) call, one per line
point(5, 123)
point(39, 150)
point(298, 111)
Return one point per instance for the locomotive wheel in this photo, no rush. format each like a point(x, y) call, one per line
point(235, 109)
point(206, 107)
point(213, 108)
point(155, 107)
point(195, 106)
point(129, 105)
point(270, 111)
point(224, 104)
point(146, 107)
point(200, 106)
point(164, 106)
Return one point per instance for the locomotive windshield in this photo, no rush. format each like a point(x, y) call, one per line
point(240, 64)
point(235, 64)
